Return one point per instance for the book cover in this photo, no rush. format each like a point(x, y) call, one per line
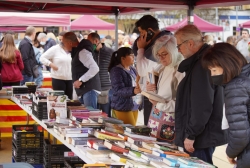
point(132, 163)
point(154, 96)
point(148, 145)
point(151, 157)
point(114, 147)
point(57, 107)
point(165, 146)
point(170, 151)
point(156, 153)
point(76, 130)
point(139, 129)
point(91, 125)
point(153, 77)
point(104, 135)
point(194, 161)
point(91, 142)
point(81, 141)
point(98, 153)
point(110, 120)
point(159, 164)
point(140, 148)
point(99, 146)
point(171, 162)
point(118, 157)
point(96, 165)
point(132, 135)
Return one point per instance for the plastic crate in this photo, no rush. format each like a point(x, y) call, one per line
point(40, 110)
point(27, 155)
point(54, 153)
point(53, 165)
point(27, 136)
point(73, 164)
point(34, 165)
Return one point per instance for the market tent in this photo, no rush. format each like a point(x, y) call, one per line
point(87, 22)
point(14, 29)
point(203, 25)
point(245, 24)
point(37, 19)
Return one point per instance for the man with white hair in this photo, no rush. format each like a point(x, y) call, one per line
point(199, 103)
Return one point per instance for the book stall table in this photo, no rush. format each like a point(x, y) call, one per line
point(51, 131)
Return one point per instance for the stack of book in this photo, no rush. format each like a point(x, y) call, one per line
point(20, 90)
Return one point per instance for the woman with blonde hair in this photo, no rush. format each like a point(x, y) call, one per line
point(12, 63)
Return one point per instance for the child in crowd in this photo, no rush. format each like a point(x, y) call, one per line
point(123, 81)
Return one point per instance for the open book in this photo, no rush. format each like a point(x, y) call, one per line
point(153, 96)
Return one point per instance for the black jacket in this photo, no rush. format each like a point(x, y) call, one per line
point(28, 56)
point(237, 102)
point(78, 69)
point(199, 105)
point(103, 58)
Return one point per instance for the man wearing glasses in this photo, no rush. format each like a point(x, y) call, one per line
point(199, 103)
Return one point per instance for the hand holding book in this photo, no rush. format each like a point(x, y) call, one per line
point(151, 87)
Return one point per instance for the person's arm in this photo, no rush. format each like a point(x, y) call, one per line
point(144, 65)
point(19, 61)
point(170, 105)
point(48, 55)
point(202, 99)
point(88, 61)
point(118, 85)
point(25, 49)
point(237, 116)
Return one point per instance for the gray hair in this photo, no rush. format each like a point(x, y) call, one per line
point(169, 43)
point(41, 35)
point(189, 32)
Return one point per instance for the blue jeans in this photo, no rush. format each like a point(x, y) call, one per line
point(205, 154)
point(89, 99)
point(107, 107)
point(39, 79)
point(26, 78)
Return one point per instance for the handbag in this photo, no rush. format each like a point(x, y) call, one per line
point(103, 98)
point(35, 71)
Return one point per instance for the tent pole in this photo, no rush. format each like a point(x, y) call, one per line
point(116, 28)
point(190, 14)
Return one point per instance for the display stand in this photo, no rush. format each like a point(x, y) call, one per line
point(54, 134)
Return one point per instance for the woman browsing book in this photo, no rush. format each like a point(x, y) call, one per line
point(162, 116)
point(123, 81)
point(230, 68)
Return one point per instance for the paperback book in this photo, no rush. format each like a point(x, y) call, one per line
point(57, 107)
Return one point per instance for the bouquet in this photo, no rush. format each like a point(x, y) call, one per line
point(249, 46)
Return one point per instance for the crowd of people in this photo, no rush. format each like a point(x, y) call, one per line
point(198, 79)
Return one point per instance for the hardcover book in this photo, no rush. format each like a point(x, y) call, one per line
point(57, 107)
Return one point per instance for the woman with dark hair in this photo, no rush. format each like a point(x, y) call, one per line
point(230, 68)
point(123, 81)
point(12, 63)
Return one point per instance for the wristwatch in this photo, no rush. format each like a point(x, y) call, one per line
point(80, 80)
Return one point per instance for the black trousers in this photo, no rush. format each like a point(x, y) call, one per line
point(65, 85)
point(147, 109)
point(11, 84)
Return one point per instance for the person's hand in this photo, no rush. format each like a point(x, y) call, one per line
point(153, 102)
point(137, 90)
point(77, 84)
point(150, 87)
point(189, 145)
point(231, 160)
point(141, 42)
point(53, 66)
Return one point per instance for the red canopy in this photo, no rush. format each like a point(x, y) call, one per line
point(203, 25)
point(245, 24)
point(108, 7)
point(14, 29)
point(87, 22)
point(37, 19)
